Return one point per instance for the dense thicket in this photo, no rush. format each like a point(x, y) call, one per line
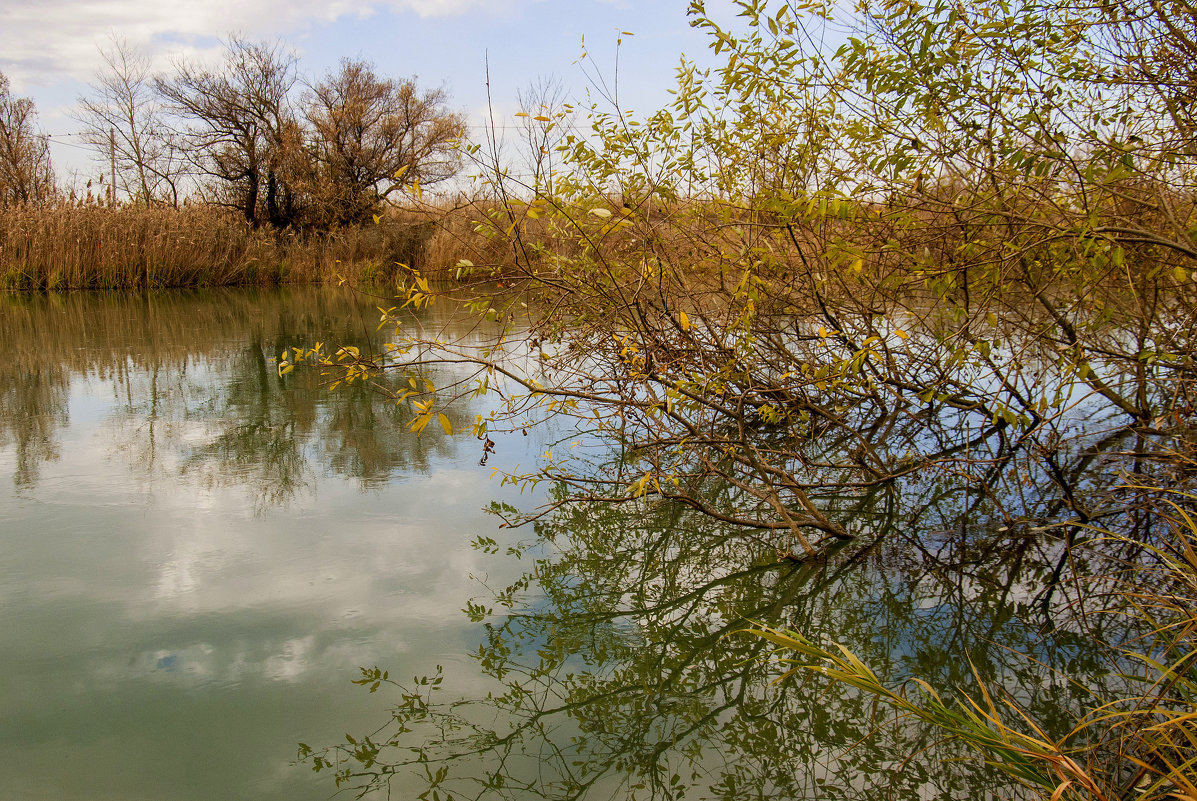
point(972, 215)
point(927, 269)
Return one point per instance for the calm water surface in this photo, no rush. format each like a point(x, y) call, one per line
point(196, 554)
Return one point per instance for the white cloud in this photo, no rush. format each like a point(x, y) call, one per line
point(44, 42)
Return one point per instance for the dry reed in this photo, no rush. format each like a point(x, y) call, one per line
point(97, 247)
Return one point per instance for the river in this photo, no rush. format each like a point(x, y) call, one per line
point(197, 556)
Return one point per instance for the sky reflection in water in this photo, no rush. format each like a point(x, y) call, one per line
point(195, 555)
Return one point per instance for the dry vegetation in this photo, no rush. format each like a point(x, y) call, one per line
point(939, 279)
point(129, 247)
point(246, 172)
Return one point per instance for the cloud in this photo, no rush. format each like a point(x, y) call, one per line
point(43, 42)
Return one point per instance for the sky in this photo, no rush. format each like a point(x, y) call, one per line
point(50, 49)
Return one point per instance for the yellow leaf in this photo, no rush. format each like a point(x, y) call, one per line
point(857, 265)
point(1180, 273)
point(542, 118)
point(900, 334)
point(1061, 790)
point(522, 114)
point(685, 321)
point(602, 213)
point(377, 219)
point(445, 424)
point(823, 332)
point(399, 172)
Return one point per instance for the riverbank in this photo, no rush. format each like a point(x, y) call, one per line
point(127, 247)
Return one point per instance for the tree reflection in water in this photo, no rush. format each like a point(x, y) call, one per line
point(619, 671)
point(197, 395)
point(614, 662)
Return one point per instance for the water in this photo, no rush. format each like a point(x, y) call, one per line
point(197, 555)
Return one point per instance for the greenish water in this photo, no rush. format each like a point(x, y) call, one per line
point(197, 555)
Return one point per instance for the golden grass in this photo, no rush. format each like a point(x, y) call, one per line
point(97, 247)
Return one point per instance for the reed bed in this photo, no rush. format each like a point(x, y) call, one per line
point(101, 247)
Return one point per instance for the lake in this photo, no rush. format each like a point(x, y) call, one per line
point(197, 556)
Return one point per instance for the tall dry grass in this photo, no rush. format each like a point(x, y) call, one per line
point(92, 246)
point(99, 247)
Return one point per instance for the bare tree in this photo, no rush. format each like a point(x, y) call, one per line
point(242, 128)
point(542, 109)
point(25, 172)
point(367, 129)
point(124, 121)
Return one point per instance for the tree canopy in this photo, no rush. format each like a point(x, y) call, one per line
point(253, 135)
point(925, 269)
point(26, 176)
point(764, 293)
